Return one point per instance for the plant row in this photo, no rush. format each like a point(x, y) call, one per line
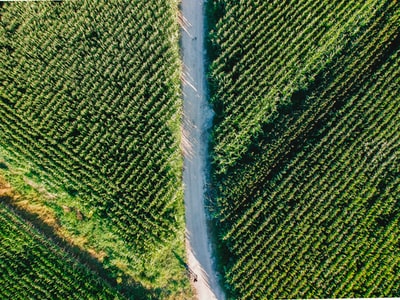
point(309, 209)
point(90, 103)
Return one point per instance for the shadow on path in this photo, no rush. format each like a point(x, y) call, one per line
point(189, 272)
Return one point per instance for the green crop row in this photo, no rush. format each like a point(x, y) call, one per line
point(307, 201)
point(249, 88)
point(90, 105)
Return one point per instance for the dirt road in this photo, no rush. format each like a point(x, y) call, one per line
point(196, 122)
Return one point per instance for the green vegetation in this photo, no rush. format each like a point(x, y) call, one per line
point(306, 146)
point(90, 113)
point(32, 267)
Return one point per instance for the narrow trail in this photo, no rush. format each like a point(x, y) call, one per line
point(197, 118)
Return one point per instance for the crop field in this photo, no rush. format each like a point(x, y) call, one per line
point(305, 175)
point(41, 269)
point(306, 178)
point(90, 108)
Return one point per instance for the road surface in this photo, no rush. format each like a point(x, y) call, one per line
point(197, 118)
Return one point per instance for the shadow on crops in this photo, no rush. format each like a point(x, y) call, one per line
point(129, 288)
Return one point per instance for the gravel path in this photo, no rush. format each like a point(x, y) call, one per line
point(196, 122)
